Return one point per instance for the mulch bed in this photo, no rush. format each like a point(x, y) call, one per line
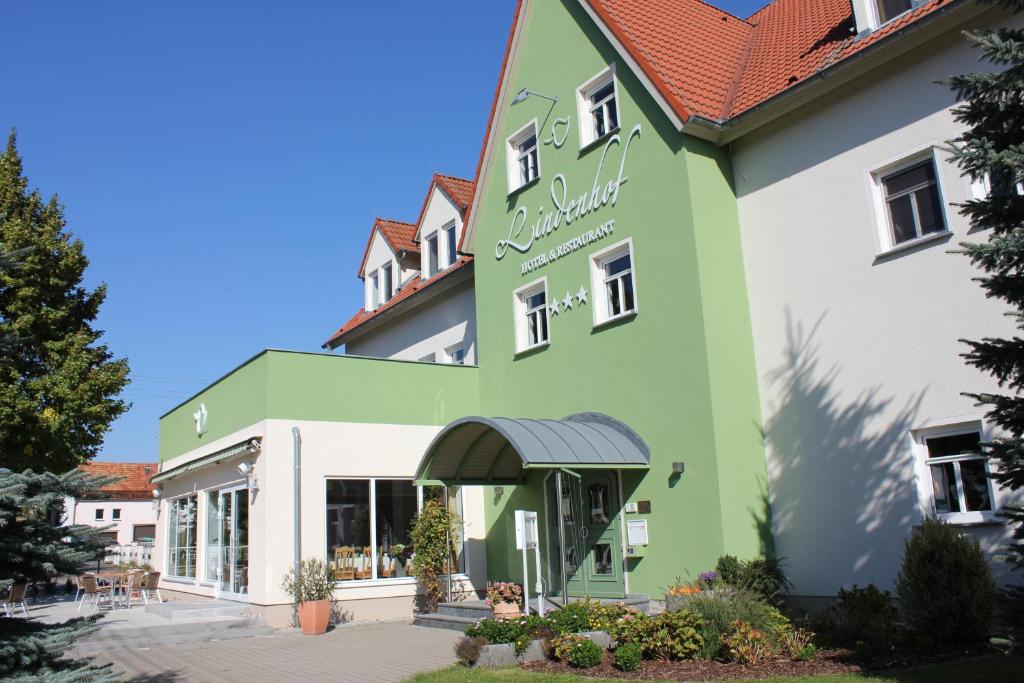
point(825, 662)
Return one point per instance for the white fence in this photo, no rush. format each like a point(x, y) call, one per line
point(138, 553)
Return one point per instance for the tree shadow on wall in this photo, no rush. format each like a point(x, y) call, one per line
point(843, 495)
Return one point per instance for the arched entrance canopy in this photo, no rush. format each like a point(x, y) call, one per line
point(501, 450)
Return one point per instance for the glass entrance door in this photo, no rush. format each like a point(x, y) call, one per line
point(227, 556)
point(589, 540)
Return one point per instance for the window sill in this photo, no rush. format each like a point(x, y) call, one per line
point(597, 142)
point(530, 350)
point(911, 245)
point(970, 518)
point(397, 581)
point(179, 579)
point(611, 322)
point(522, 188)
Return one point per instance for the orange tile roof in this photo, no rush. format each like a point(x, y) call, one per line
point(414, 285)
point(459, 189)
point(708, 63)
point(398, 234)
point(135, 484)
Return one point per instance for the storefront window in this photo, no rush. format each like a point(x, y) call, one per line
point(181, 537)
point(368, 524)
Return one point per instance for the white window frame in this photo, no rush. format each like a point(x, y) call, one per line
point(451, 243)
point(982, 187)
point(588, 131)
point(599, 295)
point(389, 290)
point(434, 236)
point(98, 515)
point(198, 538)
point(449, 354)
point(372, 291)
point(515, 180)
point(876, 177)
point(923, 475)
point(115, 515)
point(391, 581)
point(519, 297)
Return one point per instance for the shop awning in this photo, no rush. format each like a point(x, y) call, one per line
point(249, 446)
point(496, 450)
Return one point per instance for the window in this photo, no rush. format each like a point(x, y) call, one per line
point(1001, 183)
point(959, 473)
point(99, 514)
point(368, 523)
point(912, 202)
point(386, 282)
point(456, 354)
point(451, 243)
point(598, 107)
point(143, 533)
point(613, 283)
point(889, 9)
point(374, 291)
point(432, 255)
point(116, 514)
point(181, 537)
point(523, 159)
point(531, 315)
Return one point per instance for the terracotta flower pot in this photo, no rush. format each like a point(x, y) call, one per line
point(505, 610)
point(313, 616)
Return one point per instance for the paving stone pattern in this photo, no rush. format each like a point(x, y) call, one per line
point(370, 652)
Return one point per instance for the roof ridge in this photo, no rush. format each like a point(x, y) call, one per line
point(741, 67)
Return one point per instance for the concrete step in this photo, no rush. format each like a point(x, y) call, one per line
point(447, 621)
point(475, 610)
point(195, 610)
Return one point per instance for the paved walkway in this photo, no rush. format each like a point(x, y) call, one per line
point(358, 652)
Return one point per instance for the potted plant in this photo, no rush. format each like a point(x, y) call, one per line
point(311, 590)
point(504, 597)
point(397, 554)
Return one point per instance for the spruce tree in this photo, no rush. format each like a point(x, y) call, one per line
point(34, 547)
point(992, 149)
point(58, 385)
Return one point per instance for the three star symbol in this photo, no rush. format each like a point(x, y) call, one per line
point(581, 296)
point(567, 301)
point(553, 308)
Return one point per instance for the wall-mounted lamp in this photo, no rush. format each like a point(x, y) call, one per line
point(678, 467)
point(523, 94)
point(156, 498)
point(499, 491)
point(247, 470)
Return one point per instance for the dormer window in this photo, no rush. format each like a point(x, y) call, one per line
point(451, 244)
point(373, 283)
point(386, 282)
point(523, 157)
point(890, 9)
point(432, 255)
point(598, 107)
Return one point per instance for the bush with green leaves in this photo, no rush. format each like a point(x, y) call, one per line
point(577, 650)
point(628, 656)
point(585, 615)
point(763, 576)
point(945, 587)
point(719, 611)
point(865, 619)
point(432, 534)
point(518, 632)
point(671, 635)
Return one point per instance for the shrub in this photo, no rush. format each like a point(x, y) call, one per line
point(586, 654)
point(585, 615)
point(672, 635)
point(315, 581)
point(506, 592)
point(865, 619)
point(628, 656)
point(798, 644)
point(468, 649)
point(746, 644)
point(431, 533)
point(763, 576)
point(518, 632)
point(720, 610)
point(945, 587)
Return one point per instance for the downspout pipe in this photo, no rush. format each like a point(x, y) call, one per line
point(297, 502)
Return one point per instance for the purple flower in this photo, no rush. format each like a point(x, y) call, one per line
point(708, 577)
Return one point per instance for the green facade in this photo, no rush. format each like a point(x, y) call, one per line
point(320, 386)
point(681, 372)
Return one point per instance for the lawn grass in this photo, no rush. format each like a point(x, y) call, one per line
point(980, 670)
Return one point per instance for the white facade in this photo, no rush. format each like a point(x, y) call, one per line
point(129, 520)
point(432, 329)
point(856, 343)
point(328, 450)
point(443, 218)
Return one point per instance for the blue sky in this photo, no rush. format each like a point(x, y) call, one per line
point(223, 161)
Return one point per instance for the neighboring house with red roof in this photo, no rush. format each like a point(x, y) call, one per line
point(418, 285)
point(126, 505)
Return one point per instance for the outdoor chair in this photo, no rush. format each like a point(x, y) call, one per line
point(150, 587)
point(79, 590)
point(16, 598)
point(131, 587)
